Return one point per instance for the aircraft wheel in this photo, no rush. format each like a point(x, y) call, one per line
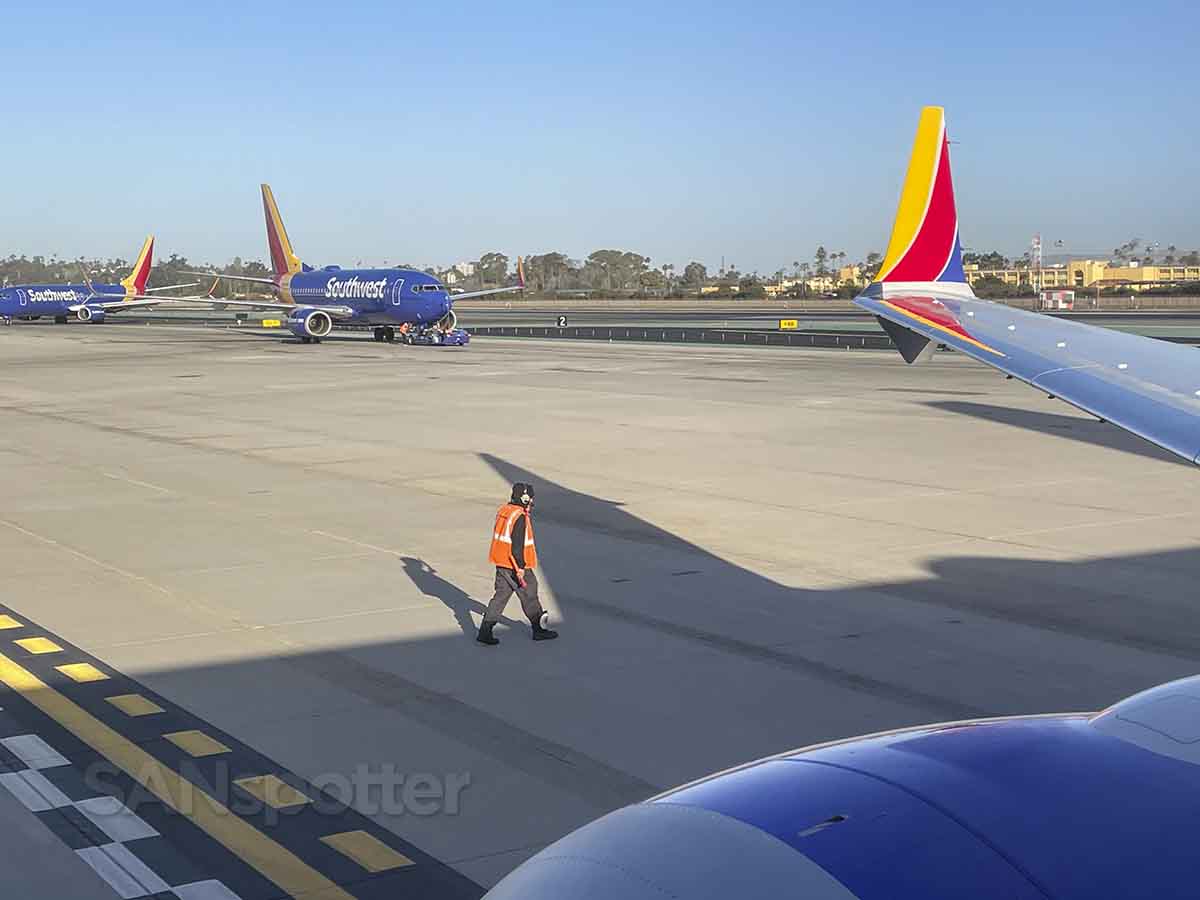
point(378, 334)
point(389, 334)
point(60, 320)
point(305, 339)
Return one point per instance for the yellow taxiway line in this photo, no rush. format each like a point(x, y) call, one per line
point(290, 873)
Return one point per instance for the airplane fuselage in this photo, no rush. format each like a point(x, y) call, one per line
point(377, 296)
point(24, 300)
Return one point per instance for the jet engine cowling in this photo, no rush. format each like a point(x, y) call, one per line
point(310, 323)
point(93, 316)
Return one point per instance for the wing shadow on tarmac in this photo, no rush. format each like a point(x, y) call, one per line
point(1079, 598)
point(1075, 428)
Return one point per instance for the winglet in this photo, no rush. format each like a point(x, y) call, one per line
point(135, 282)
point(924, 249)
point(521, 271)
point(283, 260)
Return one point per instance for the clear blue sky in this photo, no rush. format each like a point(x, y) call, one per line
point(432, 132)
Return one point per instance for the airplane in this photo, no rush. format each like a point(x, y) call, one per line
point(921, 298)
point(88, 302)
point(406, 301)
point(1016, 808)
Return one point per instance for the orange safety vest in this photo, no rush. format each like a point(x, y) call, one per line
point(501, 553)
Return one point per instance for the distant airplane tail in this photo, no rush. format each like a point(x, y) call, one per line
point(283, 260)
point(135, 282)
point(924, 252)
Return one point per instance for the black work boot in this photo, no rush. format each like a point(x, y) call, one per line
point(485, 635)
point(540, 631)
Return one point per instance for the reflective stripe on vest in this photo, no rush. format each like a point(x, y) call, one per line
point(501, 550)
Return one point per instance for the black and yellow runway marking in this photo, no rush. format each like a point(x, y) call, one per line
point(163, 804)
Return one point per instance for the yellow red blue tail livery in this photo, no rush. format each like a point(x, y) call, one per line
point(924, 246)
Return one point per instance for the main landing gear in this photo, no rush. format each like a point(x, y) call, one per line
point(305, 339)
point(60, 320)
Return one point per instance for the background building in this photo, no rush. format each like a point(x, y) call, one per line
point(1078, 274)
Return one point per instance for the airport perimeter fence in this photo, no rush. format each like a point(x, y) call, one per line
point(727, 336)
point(667, 334)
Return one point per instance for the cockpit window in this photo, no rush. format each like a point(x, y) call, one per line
point(432, 287)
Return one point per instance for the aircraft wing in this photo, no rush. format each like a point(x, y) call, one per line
point(133, 303)
point(251, 279)
point(142, 301)
point(503, 290)
point(170, 287)
point(1145, 386)
point(338, 312)
point(519, 286)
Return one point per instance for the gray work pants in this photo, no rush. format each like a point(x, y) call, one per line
point(506, 586)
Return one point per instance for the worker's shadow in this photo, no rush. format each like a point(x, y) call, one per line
point(458, 601)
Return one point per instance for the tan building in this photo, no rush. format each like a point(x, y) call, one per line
point(1086, 273)
point(817, 284)
point(851, 275)
point(776, 288)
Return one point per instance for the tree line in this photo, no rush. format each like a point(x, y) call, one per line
point(614, 271)
point(602, 271)
point(609, 271)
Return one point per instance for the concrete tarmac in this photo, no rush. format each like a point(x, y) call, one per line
point(746, 551)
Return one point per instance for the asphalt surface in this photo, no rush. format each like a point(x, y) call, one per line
point(282, 548)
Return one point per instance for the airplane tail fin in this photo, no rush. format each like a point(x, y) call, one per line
point(135, 282)
point(283, 260)
point(924, 251)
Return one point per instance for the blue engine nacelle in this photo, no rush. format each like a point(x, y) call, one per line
point(310, 323)
point(91, 315)
point(1078, 805)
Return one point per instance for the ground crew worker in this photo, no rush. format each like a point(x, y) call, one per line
point(514, 555)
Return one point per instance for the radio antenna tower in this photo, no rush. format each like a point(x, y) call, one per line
point(1035, 261)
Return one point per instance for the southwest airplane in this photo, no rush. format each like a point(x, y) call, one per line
point(315, 299)
point(1022, 808)
point(921, 298)
point(89, 302)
